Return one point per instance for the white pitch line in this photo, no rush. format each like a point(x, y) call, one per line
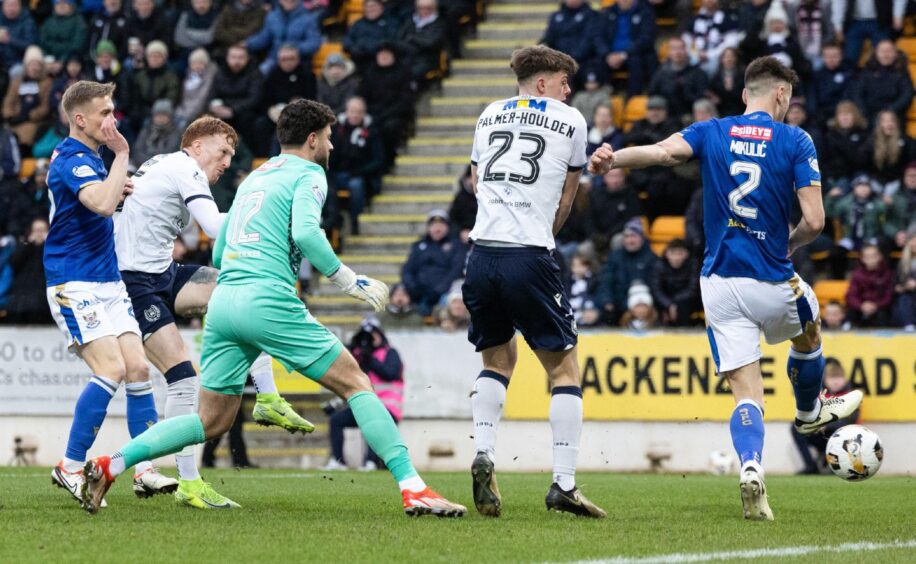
point(684, 557)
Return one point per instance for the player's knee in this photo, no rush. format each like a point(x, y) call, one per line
point(137, 372)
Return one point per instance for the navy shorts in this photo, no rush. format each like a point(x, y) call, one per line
point(153, 295)
point(509, 288)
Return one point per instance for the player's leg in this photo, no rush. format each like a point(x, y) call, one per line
point(192, 289)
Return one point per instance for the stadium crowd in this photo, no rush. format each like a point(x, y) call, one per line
point(242, 60)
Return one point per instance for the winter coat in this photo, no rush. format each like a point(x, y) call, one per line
point(872, 221)
point(23, 32)
point(675, 285)
point(358, 149)
point(433, 265)
point(61, 36)
point(157, 26)
point(27, 202)
point(298, 27)
point(283, 87)
point(680, 87)
point(155, 140)
point(887, 172)
point(621, 270)
point(825, 90)
point(586, 101)
point(240, 91)
point(871, 286)
point(27, 294)
point(594, 138)
point(463, 212)
point(387, 92)
point(26, 106)
point(233, 25)
point(195, 94)
point(195, 30)
point(883, 88)
point(573, 32)
point(642, 31)
point(365, 36)
point(149, 85)
point(902, 211)
point(842, 154)
point(423, 46)
point(610, 211)
point(110, 27)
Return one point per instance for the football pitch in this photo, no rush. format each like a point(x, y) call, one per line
point(297, 516)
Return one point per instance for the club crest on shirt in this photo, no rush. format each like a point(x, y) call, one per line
point(812, 162)
point(152, 313)
point(83, 171)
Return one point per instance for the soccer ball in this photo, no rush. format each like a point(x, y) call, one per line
point(854, 453)
point(721, 462)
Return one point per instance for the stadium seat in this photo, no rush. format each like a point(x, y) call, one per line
point(911, 114)
point(27, 168)
point(635, 110)
point(617, 106)
point(664, 229)
point(326, 50)
point(908, 46)
point(662, 51)
point(911, 128)
point(354, 10)
point(831, 291)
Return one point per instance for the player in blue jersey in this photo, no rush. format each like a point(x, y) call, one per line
point(87, 297)
point(753, 167)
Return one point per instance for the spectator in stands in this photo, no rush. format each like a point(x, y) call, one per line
point(153, 82)
point(712, 31)
point(147, 23)
point(591, 96)
point(358, 158)
point(289, 22)
point(236, 96)
point(435, 261)
point(196, 87)
point(109, 25)
point(581, 285)
point(575, 233)
point(855, 20)
point(26, 105)
point(64, 32)
point(704, 110)
point(776, 39)
point(797, 115)
point(842, 156)
point(612, 204)
point(625, 41)
point(337, 83)
point(901, 214)
point(399, 312)
point(861, 213)
point(693, 224)
point(160, 135)
point(47, 141)
point(836, 384)
point(238, 20)
point(677, 81)
point(727, 84)
point(751, 16)
point(811, 28)
point(29, 200)
point(196, 25)
point(640, 314)
point(453, 314)
point(829, 85)
point(633, 261)
point(422, 39)
point(603, 131)
point(884, 83)
point(886, 152)
point(72, 72)
point(368, 33)
point(572, 30)
point(27, 298)
point(833, 317)
point(289, 80)
point(676, 286)
point(463, 211)
point(871, 290)
point(665, 195)
point(17, 32)
point(386, 87)
point(905, 289)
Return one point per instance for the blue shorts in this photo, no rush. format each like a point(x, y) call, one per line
point(509, 288)
point(153, 295)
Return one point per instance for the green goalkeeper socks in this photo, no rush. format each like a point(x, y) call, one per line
point(165, 437)
point(381, 433)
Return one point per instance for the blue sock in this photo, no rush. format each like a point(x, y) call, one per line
point(141, 409)
point(806, 372)
point(747, 431)
point(88, 416)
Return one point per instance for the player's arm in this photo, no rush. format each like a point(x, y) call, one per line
point(570, 187)
point(670, 152)
point(103, 197)
point(812, 220)
point(207, 215)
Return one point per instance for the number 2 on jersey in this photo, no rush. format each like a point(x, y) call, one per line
point(752, 170)
point(505, 139)
point(250, 206)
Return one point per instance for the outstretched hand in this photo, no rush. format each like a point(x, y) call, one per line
point(602, 160)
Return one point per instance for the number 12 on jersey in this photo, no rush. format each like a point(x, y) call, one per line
point(505, 140)
point(248, 208)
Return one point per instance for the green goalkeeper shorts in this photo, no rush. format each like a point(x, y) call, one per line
point(243, 321)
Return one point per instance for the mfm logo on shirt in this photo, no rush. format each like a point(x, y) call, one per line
point(751, 132)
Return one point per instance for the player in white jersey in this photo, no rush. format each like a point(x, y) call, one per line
point(169, 189)
point(528, 155)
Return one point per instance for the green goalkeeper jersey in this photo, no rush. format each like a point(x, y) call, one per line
point(274, 221)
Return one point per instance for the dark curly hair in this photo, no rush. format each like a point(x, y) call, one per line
point(529, 61)
point(300, 119)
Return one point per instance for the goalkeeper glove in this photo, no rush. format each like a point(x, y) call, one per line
point(361, 287)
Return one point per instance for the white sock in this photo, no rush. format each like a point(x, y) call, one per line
point(487, 401)
point(116, 466)
point(753, 464)
point(71, 465)
point(181, 399)
point(415, 484)
point(566, 424)
point(809, 416)
point(262, 374)
point(142, 467)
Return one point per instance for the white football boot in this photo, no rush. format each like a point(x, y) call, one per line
point(754, 495)
point(151, 482)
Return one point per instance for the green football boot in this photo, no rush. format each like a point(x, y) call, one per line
point(201, 495)
point(271, 409)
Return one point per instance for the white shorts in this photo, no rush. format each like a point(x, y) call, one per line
point(86, 311)
point(738, 309)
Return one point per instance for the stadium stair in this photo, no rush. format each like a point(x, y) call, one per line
point(425, 174)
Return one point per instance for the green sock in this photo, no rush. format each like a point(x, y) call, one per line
point(166, 437)
point(381, 433)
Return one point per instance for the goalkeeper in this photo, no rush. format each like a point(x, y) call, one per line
point(273, 222)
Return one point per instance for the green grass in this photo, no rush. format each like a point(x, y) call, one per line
point(356, 517)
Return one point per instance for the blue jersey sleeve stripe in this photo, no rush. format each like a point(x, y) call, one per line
point(190, 199)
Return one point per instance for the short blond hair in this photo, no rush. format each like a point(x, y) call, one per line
point(83, 92)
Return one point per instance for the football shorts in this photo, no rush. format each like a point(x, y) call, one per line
point(86, 311)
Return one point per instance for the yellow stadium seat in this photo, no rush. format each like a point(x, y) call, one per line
point(326, 50)
point(664, 229)
point(27, 168)
point(617, 105)
point(255, 163)
point(908, 46)
point(911, 114)
point(607, 3)
point(635, 109)
point(831, 291)
point(911, 128)
point(663, 51)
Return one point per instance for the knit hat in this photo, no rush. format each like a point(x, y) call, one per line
point(776, 12)
point(439, 214)
point(106, 47)
point(157, 46)
point(163, 106)
point(634, 226)
point(33, 53)
point(639, 294)
point(199, 55)
point(656, 103)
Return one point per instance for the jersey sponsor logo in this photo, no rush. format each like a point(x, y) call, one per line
point(526, 103)
point(812, 162)
point(319, 195)
point(751, 132)
point(83, 171)
point(152, 314)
